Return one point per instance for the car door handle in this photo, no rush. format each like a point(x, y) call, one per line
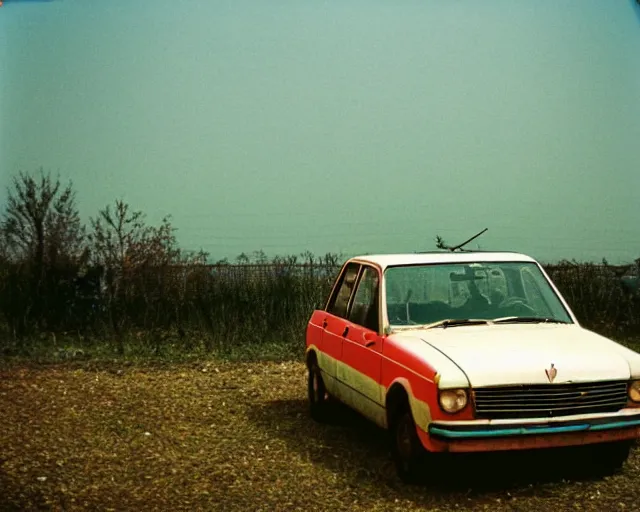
point(324, 323)
point(346, 331)
point(370, 343)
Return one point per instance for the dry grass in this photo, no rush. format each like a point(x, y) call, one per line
point(223, 436)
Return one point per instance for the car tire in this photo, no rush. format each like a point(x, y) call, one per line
point(608, 458)
point(317, 393)
point(406, 448)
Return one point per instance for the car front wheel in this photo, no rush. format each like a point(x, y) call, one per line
point(407, 450)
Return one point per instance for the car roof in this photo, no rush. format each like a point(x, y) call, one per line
point(426, 258)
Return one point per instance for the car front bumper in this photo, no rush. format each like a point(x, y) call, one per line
point(495, 435)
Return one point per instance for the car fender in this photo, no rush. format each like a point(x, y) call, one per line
point(420, 409)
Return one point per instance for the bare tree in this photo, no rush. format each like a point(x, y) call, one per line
point(43, 239)
point(138, 260)
point(113, 233)
point(41, 221)
point(121, 239)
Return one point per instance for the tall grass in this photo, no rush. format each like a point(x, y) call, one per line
point(225, 308)
point(597, 296)
point(255, 310)
point(257, 305)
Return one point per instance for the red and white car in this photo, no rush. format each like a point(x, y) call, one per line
point(468, 352)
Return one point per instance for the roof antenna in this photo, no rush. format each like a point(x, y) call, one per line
point(442, 245)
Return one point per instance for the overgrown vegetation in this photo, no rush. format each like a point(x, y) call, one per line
point(121, 286)
point(598, 296)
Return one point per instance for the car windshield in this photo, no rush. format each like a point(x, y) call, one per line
point(503, 291)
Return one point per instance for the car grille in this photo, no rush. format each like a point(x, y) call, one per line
point(549, 400)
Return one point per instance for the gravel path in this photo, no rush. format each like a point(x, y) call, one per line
point(238, 437)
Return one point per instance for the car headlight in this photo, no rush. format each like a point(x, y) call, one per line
point(454, 400)
point(634, 391)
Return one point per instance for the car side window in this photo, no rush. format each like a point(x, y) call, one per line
point(364, 309)
point(340, 300)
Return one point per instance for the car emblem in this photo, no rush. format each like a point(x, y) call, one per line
point(551, 373)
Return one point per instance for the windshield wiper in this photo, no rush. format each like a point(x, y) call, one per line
point(528, 320)
point(453, 322)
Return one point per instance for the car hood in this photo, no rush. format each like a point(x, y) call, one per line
point(520, 354)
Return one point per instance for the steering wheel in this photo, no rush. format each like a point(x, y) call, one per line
point(516, 301)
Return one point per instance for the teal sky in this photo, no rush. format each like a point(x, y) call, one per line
point(343, 126)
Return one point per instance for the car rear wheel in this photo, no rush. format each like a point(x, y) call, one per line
point(406, 448)
point(318, 397)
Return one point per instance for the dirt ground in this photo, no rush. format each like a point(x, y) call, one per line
point(222, 436)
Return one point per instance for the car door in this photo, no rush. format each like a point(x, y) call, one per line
point(362, 345)
point(334, 323)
